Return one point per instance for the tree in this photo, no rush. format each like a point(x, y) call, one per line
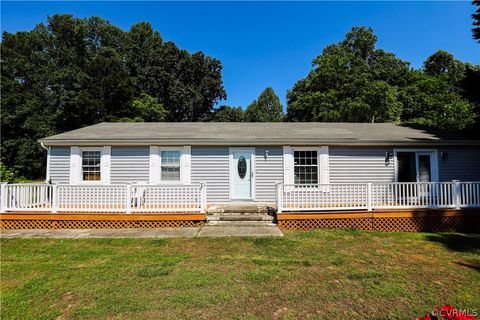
point(228, 114)
point(476, 21)
point(350, 81)
point(429, 100)
point(74, 72)
point(443, 64)
point(266, 108)
point(6, 174)
point(355, 82)
point(148, 109)
point(188, 85)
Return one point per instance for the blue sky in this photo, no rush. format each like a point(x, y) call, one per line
point(265, 44)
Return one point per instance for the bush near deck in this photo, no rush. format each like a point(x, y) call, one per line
point(318, 274)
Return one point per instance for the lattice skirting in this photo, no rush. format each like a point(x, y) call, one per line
point(308, 224)
point(389, 224)
point(97, 224)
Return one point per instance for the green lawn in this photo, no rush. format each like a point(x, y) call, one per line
point(318, 275)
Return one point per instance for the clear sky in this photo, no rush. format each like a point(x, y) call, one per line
point(265, 44)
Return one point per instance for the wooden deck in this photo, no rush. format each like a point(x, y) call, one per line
point(414, 220)
point(33, 220)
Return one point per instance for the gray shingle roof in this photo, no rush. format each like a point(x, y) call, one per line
point(244, 133)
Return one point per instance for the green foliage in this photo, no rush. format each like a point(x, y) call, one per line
point(147, 108)
point(476, 21)
point(266, 108)
point(75, 72)
point(355, 82)
point(428, 100)
point(443, 65)
point(72, 72)
point(228, 114)
point(350, 81)
point(6, 174)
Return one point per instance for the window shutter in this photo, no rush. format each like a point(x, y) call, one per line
point(323, 160)
point(185, 165)
point(154, 165)
point(105, 164)
point(288, 165)
point(75, 165)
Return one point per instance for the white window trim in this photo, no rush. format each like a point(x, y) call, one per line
point(76, 174)
point(433, 164)
point(231, 173)
point(156, 165)
point(323, 170)
point(288, 161)
point(47, 177)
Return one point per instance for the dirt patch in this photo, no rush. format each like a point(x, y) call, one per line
point(69, 299)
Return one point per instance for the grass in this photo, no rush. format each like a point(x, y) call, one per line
point(317, 275)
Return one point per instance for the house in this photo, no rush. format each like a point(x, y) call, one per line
point(244, 161)
point(186, 167)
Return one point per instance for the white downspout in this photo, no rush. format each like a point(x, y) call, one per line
point(47, 176)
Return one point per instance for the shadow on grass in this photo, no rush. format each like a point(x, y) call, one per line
point(460, 242)
point(469, 264)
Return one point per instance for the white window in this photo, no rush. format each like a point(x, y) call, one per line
point(170, 165)
point(305, 166)
point(91, 165)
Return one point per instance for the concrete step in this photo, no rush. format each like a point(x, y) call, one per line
point(239, 217)
point(241, 224)
point(239, 213)
point(240, 208)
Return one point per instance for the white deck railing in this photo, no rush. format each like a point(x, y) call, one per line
point(469, 194)
point(324, 197)
point(413, 195)
point(160, 198)
point(90, 198)
point(26, 197)
point(392, 195)
point(103, 198)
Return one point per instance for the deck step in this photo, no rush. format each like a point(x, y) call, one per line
point(239, 217)
point(240, 208)
point(241, 223)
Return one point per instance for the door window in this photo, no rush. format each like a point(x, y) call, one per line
point(242, 167)
point(424, 168)
point(414, 166)
point(406, 171)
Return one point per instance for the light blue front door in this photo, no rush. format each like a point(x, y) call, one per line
point(242, 174)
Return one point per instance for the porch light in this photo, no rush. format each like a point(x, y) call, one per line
point(444, 155)
point(388, 154)
point(266, 153)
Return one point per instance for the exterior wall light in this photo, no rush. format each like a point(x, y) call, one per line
point(444, 155)
point(266, 154)
point(388, 155)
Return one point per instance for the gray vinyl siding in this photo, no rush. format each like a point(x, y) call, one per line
point(211, 165)
point(360, 165)
point(462, 164)
point(268, 171)
point(60, 165)
point(129, 164)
